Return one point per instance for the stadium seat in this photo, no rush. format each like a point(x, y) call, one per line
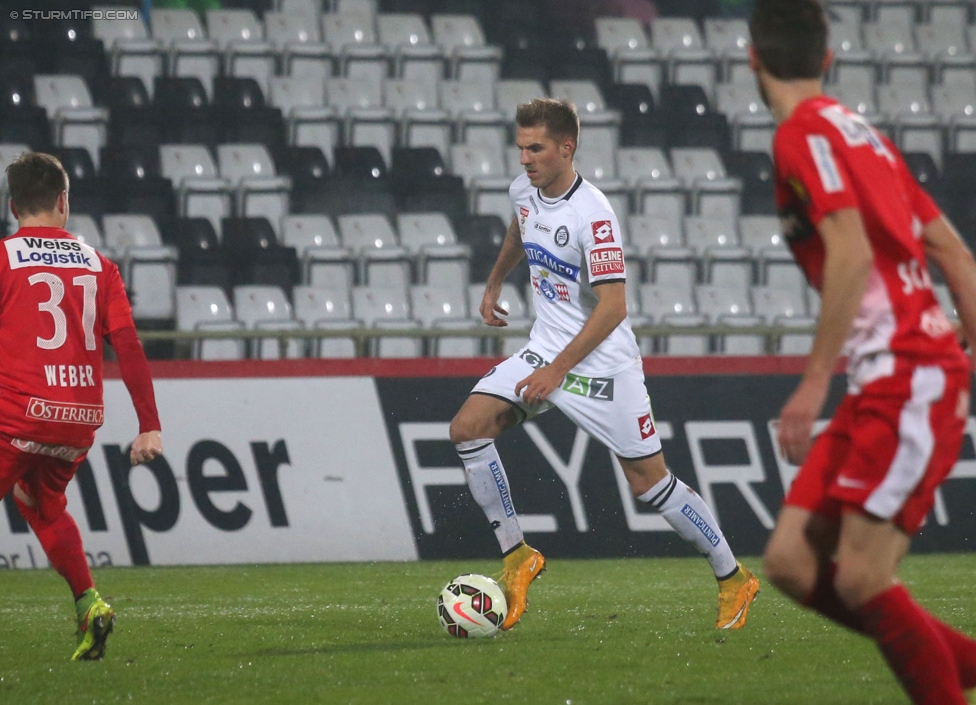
point(310, 121)
point(415, 57)
point(353, 37)
point(314, 304)
point(470, 58)
point(755, 171)
point(87, 187)
point(189, 52)
point(259, 191)
point(239, 103)
point(267, 308)
point(135, 184)
point(133, 52)
point(440, 260)
point(68, 102)
point(298, 42)
point(703, 172)
point(186, 111)
point(382, 260)
point(149, 267)
point(430, 304)
point(85, 228)
point(201, 191)
point(202, 260)
point(207, 308)
point(256, 257)
point(775, 304)
point(421, 122)
point(240, 38)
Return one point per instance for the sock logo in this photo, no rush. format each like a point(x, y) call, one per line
point(707, 531)
point(496, 472)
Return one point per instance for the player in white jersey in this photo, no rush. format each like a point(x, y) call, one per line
point(581, 358)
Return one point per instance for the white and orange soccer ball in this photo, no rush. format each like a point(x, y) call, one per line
point(471, 606)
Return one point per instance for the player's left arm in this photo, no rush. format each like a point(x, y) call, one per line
point(609, 312)
point(944, 246)
point(848, 260)
point(120, 330)
point(134, 368)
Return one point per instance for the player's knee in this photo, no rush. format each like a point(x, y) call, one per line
point(461, 430)
point(855, 585)
point(781, 568)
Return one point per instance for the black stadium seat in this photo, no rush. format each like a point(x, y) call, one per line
point(185, 111)
point(255, 255)
point(755, 169)
point(87, 187)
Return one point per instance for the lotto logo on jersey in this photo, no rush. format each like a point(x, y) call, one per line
point(602, 232)
point(646, 426)
point(609, 260)
point(51, 252)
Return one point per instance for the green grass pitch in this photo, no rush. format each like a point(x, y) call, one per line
point(600, 631)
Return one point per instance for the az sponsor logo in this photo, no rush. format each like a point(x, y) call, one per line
point(606, 261)
point(592, 387)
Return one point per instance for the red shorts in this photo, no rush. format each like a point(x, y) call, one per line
point(43, 477)
point(887, 448)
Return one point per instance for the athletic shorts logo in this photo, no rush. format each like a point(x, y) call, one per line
point(534, 360)
point(562, 236)
point(592, 387)
point(65, 412)
point(602, 232)
point(646, 426)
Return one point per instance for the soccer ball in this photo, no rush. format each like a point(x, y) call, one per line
point(471, 606)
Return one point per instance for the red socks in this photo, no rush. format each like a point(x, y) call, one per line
point(913, 647)
point(824, 599)
point(61, 541)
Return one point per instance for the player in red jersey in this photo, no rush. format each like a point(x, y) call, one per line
point(861, 228)
point(58, 299)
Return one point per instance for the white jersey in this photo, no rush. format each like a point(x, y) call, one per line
point(572, 245)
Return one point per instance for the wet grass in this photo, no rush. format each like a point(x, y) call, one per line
point(608, 631)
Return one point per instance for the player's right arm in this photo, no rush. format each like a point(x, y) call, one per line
point(509, 256)
point(944, 246)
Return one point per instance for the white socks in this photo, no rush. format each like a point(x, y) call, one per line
point(489, 487)
point(688, 514)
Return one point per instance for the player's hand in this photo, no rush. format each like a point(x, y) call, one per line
point(537, 387)
point(146, 446)
point(795, 435)
point(490, 309)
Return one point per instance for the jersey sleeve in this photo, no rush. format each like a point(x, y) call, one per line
point(602, 243)
point(118, 311)
point(807, 162)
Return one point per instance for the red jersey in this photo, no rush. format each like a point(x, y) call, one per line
point(827, 159)
point(58, 298)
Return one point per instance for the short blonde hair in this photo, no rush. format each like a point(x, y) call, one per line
point(559, 117)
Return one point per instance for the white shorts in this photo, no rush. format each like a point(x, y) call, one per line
point(614, 410)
